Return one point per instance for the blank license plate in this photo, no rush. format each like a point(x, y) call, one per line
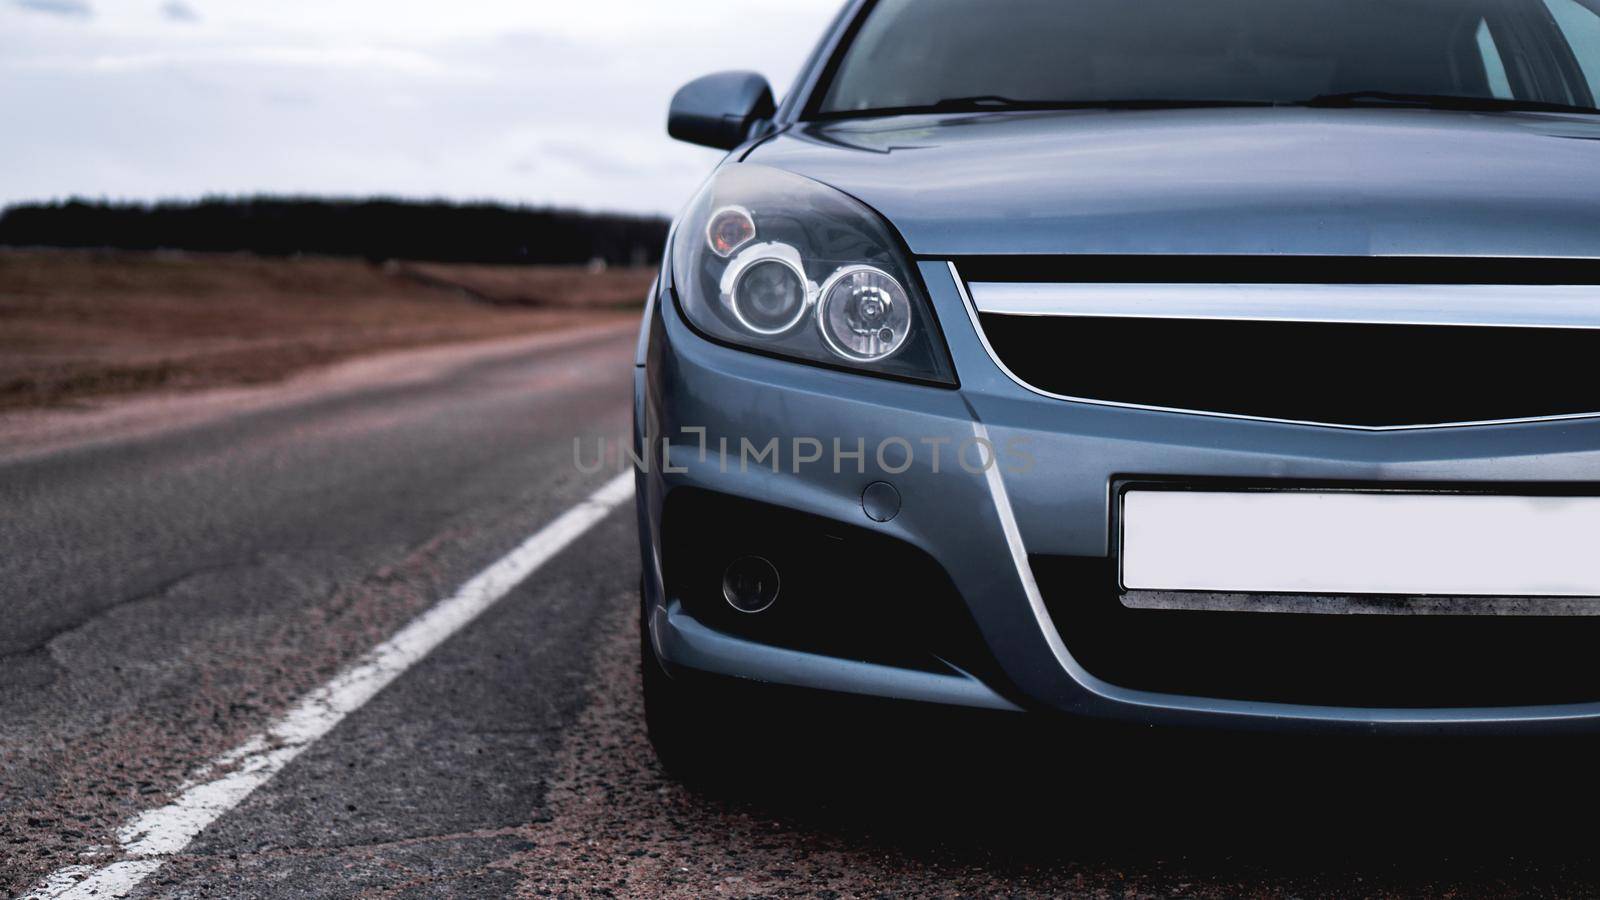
point(1330, 542)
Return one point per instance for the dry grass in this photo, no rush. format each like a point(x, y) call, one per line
point(550, 287)
point(76, 325)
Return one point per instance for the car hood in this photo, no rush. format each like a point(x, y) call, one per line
point(1228, 181)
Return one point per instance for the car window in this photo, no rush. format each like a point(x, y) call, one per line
point(1580, 25)
point(915, 53)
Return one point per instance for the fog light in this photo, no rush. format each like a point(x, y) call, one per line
point(750, 585)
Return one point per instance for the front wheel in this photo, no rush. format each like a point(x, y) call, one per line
point(675, 714)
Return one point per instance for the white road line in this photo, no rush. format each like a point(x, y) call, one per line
point(217, 787)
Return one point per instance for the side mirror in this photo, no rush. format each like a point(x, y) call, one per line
point(719, 110)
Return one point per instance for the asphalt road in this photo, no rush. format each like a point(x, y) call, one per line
point(169, 591)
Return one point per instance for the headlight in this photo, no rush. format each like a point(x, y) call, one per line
point(774, 262)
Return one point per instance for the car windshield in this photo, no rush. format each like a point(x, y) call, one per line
point(921, 55)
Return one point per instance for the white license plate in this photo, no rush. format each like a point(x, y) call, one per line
point(1332, 542)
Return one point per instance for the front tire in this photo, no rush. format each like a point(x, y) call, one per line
point(675, 713)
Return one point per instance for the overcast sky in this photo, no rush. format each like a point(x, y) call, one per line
point(532, 101)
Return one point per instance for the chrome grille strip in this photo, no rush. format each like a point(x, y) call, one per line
point(963, 291)
point(1484, 305)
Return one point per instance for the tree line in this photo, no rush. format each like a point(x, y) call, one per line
point(376, 229)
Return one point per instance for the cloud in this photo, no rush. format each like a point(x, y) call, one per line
point(179, 11)
point(375, 97)
point(353, 58)
point(78, 9)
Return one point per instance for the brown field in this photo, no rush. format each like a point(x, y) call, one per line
point(79, 325)
point(547, 287)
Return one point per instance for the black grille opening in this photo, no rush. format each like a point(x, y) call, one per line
point(1331, 660)
point(1340, 374)
point(846, 591)
point(1280, 269)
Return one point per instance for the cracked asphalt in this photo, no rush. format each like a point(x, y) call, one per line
point(166, 593)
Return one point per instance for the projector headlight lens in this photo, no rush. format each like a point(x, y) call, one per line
point(766, 289)
point(775, 262)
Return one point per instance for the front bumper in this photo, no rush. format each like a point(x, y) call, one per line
point(1051, 497)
